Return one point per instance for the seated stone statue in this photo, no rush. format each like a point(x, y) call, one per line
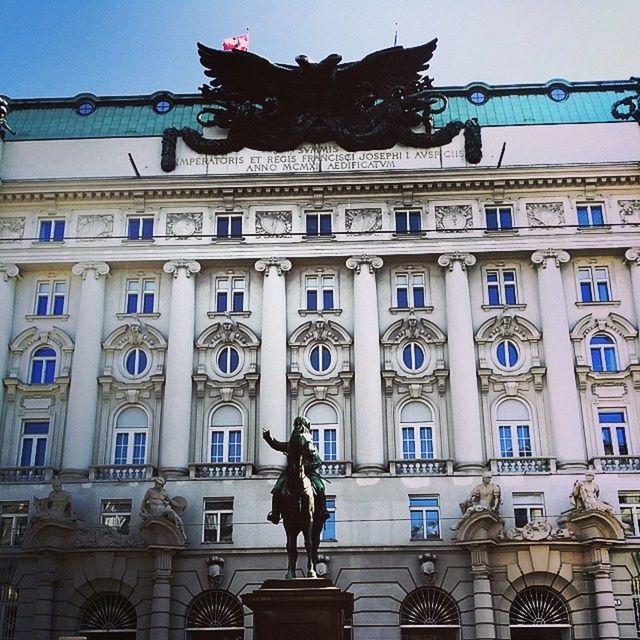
point(57, 505)
point(157, 504)
point(485, 496)
point(585, 496)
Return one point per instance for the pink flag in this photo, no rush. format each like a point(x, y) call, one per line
point(241, 43)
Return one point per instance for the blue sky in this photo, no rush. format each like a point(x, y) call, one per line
point(122, 47)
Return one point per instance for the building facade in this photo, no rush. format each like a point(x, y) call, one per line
point(433, 319)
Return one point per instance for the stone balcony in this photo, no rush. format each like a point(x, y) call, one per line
point(335, 468)
point(122, 472)
point(424, 467)
point(524, 465)
point(26, 474)
point(220, 470)
point(616, 464)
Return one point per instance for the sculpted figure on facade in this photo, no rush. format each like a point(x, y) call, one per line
point(158, 504)
point(56, 506)
point(585, 496)
point(485, 496)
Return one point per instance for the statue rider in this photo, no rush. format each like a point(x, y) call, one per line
point(311, 462)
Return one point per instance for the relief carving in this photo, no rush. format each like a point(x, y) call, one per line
point(454, 219)
point(365, 220)
point(11, 228)
point(536, 531)
point(184, 225)
point(545, 214)
point(629, 210)
point(273, 223)
point(91, 227)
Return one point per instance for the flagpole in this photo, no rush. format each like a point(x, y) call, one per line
point(395, 37)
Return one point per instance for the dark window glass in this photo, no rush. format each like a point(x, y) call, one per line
point(85, 108)
point(147, 228)
point(312, 225)
point(238, 300)
point(133, 232)
point(162, 106)
point(236, 226)
point(327, 299)
point(312, 300)
point(325, 224)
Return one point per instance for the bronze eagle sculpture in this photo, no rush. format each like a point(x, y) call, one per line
point(375, 103)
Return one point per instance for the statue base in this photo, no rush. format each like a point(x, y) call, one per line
point(309, 608)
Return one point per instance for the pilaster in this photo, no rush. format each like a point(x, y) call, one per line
point(632, 258)
point(161, 600)
point(9, 274)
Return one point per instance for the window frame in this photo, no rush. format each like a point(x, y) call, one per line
point(320, 289)
point(502, 212)
point(615, 429)
point(229, 226)
point(323, 348)
point(139, 372)
point(142, 295)
point(226, 431)
point(121, 516)
point(417, 345)
point(18, 522)
point(501, 286)
point(593, 282)
point(632, 510)
point(322, 221)
point(507, 342)
point(526, 501)
point(224, 507)
point(37, 450)
point(585, 219)
point(141, 233)
point(229, 349)
point(56, 230)
point(330, 523)
point(319, 435)
point(48, 373)
point(410, 288)
point(424, 510)
point(603, 364)
point(50, 299)
point(408, 222)
point(130, 444)
point(233, 286)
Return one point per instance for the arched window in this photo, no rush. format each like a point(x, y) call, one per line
point(320, 358)
point(324, 430)
point(136, 362)
point(8, 609)
point(215, 614)
point(225, 435)
point(538, 607)
point(429, 613)
point(43, 366)
point(413, 356)
point(108, 611)
point(514, 429)
point(130, 438)
point(603, 353)
point(228, 360)
point(416, 431)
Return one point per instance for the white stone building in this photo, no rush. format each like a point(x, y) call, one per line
point(432, 318)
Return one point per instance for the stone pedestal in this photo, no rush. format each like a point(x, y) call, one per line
point(308, 608)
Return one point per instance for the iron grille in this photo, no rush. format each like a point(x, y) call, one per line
point(538, 606)
point(429, 606)
point(108, 611)
point(215, 609)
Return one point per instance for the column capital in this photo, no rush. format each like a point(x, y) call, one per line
point(282, 265)
point(373, 263)
point(9, 270)
point(541, 258)
point(82, 269)
point(447, 260)
point(631, 256)
point(173, 267)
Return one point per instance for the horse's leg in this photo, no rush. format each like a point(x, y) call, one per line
point(292, 551)
point(308, 521)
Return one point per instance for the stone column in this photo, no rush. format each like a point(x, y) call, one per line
point(161, 599)
point(482, 600)
point(43, 623)
point(82, 411)
point(600, 570)
point(175, 433)
point(463, 377)
point(9, 273)
point(632, 257)
point(272, 404)
point(369, 425)
point(566, 429)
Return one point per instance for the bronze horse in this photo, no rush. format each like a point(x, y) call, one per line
point(299, 507)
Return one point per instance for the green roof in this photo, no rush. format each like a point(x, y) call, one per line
point(51, 119)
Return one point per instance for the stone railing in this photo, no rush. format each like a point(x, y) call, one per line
point(617, 464)
point(121, 472)
point(425, 467)
point(222, 470)
point(523, 465)
point(335, 468)
point(26, 474)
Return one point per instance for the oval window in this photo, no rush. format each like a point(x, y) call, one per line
point(320, 358)
point(228, 360)
point(413, 356)
point(85, 108)
point(162, 106)
point(507, 354)
point(136, 362)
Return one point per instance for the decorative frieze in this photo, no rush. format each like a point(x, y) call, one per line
point(545, 214)
point(363, 220)
point(92, 227)
point(183, 226)
point(276, 224)
point(11, 228)
point(629, 211)
point(454, 219)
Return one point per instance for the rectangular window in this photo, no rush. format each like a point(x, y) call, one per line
point(409, 221)
point(613, 427)
point(140, 228)
point(325, 440)
point(319, 292)
point(50, 297)
point(229, 226)
point(499, 218)
point(630, 511)
point(33, 447)
point(218, 520)
point(130, 447)
point(116, 514)
point(141, 295)
point(501, 287)
point(409, 290)
point(51, 230)
point(13, 523)
point(594, 284)
point(226, 445)
point(230, 294)
point(590, 215)
point(424, 513)
point(507, 433)
point(417, 440)
point(318, 224)
point(329, 528)
point(527, 508)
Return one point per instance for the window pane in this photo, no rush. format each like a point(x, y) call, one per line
point(27, 449)
point(506, 445)
point(426, 443)
point(418, 297)
point(325, 224)
point(312, 300)
point(45, 231)
point(238, 300)
point(147, 303)
point(58, 304)
point(607, 442)
point(139, 448)
point(36, 428)
point(510, 294)
point(226, 527)
point(505, 219)
point(50, 371)
point(417, 526)
point(583, 217)
point(217, 446)
point(58, 230)
point(312, 225)
point(221, 301)
point(524, 441)
point(492, 219)
point(330, 445)
point(147, 228)
point(41, 450)
point(585, 292)
point(403, 301)
point(596, 215)
point(408, 444)
point(134, 229)
point(415, 222)
point(327, 298)
point(401, 222)
point(222, 226)
point(621, 437)
point(603, 291)
point(236, 226)
point(122, 445)
point(235, 446)
point(493, 294)
point(36, 372)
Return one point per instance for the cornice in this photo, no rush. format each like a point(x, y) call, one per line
point(306, 186)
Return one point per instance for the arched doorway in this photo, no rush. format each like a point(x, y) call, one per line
point(108, 616)
point(215, 615)
point(538, 613)
point(429, 613)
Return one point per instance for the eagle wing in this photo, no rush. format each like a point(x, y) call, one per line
point(383, 71)
point(247, 74)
